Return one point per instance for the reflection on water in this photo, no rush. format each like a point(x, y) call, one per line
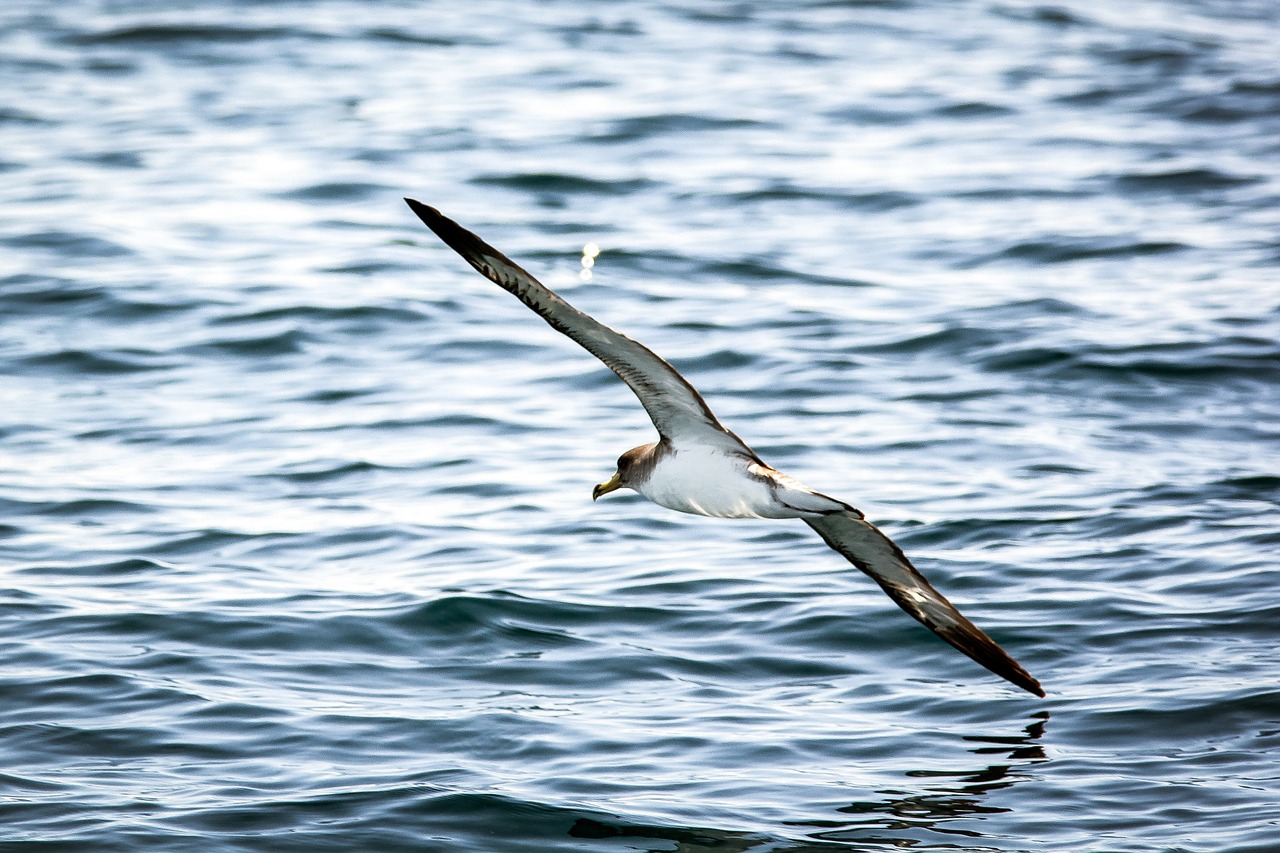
point(686, 840)
point(898, 820)
point(589, 254)
point(961, 797)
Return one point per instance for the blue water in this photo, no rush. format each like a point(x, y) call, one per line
point(298, 546)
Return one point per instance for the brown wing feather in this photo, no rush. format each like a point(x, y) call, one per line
point(862, 543)
point(674, 406)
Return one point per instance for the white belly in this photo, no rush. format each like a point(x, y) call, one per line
point(707, 482)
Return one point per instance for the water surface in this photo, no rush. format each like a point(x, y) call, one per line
point(298, 546)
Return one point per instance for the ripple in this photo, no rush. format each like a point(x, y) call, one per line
point(1066, 251)
point(288, 342)
point(1241, 102)
point(638, 128)
point(96, 363)
point(426, 39)
point(870, 201)
point(1182, 180)
point(974, 109)
point(114, 159)
point(325, 473)
point(337, 191)
point(556, 182)
point(363, 317)
point(68, 243)
point(160, 35)
point(9, 115)
point(1225, 359)
point(465, 618)
point(955, 340)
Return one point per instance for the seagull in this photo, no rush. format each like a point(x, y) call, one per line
point(697, 466)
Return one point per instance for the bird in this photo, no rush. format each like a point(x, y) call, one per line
point(698, 466)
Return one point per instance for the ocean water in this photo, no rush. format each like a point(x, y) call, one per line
point(296, 533)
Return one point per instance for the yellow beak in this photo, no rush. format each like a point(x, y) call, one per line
point(612, 485)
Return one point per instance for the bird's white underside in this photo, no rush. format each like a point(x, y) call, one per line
point(704, 480)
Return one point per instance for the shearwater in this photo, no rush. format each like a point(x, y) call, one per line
point(698, 466)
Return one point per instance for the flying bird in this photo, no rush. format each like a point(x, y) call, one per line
point(698, 466)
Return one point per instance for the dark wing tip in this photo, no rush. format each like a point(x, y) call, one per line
point(426, 212)
point(1030, 684)
point(433, 219)
point(473, 250)
point(971, 640)
point(454, 235)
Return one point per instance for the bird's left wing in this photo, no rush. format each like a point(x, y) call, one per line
point(862, 544)
point(674, 406)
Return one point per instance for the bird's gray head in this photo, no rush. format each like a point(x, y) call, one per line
point(633, 466)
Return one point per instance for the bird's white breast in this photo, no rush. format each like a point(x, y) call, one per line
point(706, 481)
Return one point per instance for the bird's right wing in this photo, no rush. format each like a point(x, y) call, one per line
point(674, 406)
point(862, 544)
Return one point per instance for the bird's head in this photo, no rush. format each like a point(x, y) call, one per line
point(632, 466)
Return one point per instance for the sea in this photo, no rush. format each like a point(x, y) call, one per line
point(297, 545)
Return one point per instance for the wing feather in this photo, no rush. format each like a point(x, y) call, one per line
point(862, 544)
point(674, 406)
